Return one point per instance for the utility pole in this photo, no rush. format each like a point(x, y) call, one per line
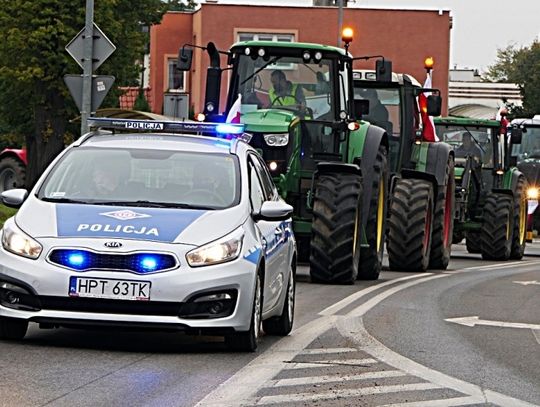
point(340, 21)
point(86, 109)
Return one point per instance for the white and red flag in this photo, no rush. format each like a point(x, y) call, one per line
point(428, 126)
point(234, 113)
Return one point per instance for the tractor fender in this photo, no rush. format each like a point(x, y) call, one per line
point(437, 158)
point(374, 138)
point(414, 174)
point(511, 178)
point(18, 154)
point(330, 166)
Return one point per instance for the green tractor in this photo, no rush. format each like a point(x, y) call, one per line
point(491, 193)
point(420, 215)
point(297, 105)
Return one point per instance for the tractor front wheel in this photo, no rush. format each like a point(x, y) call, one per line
point(496, 233)
point(410, 225)
point(519, 234)
point(336, 229)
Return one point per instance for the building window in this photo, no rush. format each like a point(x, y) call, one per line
point(243, 36)
point(176, 79)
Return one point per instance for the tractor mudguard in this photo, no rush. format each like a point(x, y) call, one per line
point(374, 137)
point(326, 167)
point(433, 159)
point(511, 178)
point(414, 174)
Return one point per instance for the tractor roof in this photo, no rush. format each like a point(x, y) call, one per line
point(301, 45)
point(466, 121)
point(369, 75)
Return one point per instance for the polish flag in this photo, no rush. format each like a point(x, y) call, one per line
point(234, 113)
point(428, 126)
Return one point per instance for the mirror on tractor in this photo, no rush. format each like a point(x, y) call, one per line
point(361, 108)
point(434, 105)
point(185, 56)
point(516, 135)
point(383, 69)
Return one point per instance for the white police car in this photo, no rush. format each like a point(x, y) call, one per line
point(155, 230)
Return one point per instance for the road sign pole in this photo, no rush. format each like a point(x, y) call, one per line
point(340, 22)
point(87, 66)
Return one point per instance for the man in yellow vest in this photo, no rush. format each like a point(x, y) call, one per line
point(284, 92)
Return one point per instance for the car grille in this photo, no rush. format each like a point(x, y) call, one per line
point(141, 263)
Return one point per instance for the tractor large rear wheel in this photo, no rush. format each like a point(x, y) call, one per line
point(443, 221)
point(519, 234)
point(336, 229)
point(496, 233)
point(473, 242)
point(371, 257)
point(410, 225)
point(12, 174)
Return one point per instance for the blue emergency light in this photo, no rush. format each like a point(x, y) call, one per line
point(168, 126)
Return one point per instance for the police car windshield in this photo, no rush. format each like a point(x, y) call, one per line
point(286, 83)
point(138, 177)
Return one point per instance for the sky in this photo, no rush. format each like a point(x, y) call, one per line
point(480, 27)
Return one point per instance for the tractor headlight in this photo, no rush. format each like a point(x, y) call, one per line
point(220, 251)
point(16, 241)
point(277, 139)
point(533, 193)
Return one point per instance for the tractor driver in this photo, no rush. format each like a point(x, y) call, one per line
point(284, 92)
point(469, 147)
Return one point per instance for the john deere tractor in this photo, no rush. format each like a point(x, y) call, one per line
point(491, 193)
point(419, 234)
point(297, 104)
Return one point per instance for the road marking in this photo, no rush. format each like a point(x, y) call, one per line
point(536, 334)
point(303, 381)
point(534, 282)
point(353, 328)
point(342, 393)
point(497, 266)
point(457, 401)
point(338, 306)
point(336, 362)
point(472, 321)
point(323, 351)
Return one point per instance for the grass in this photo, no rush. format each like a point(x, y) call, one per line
point(5, 213)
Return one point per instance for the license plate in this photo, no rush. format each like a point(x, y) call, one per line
point(109, 288)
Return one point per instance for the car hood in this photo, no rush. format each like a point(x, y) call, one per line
point(268, 120)
point(168, 225)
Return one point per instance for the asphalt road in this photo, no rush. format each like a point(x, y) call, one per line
point(387, 342)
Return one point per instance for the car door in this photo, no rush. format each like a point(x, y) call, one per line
point(275, 237)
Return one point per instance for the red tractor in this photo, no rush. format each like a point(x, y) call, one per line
point(12, 168)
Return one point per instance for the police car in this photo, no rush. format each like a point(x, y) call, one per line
point(158, 230)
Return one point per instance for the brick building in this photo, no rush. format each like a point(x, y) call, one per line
point(404, 36)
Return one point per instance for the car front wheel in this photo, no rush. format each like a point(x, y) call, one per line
point(13, 329)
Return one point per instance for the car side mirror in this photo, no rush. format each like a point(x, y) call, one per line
point(14, 198)
point(185, 56)
point(361, 108)
point(516, 135)
point(274, 211)
point(434, 105)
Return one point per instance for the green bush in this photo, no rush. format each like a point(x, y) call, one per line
point(5, 213)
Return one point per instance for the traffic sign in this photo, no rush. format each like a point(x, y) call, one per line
point(100, 87)
point(102, 48)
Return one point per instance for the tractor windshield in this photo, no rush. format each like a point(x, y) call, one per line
point(295, 83)
point(469, 141)
point(530, 145)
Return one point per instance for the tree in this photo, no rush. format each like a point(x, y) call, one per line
point(181, 5)
point(520, 66)
point(34, 102)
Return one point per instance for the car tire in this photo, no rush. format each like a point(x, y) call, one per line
point(13, 329)
point(248, 341)
point(282, 324)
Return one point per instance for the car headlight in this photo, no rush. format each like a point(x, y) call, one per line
point(277, 139)
point(532, 193)
point(18, 242)
point(220, 251)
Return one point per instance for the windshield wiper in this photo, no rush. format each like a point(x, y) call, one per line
point(64, 200)
point(152, 204)
point(273, 60)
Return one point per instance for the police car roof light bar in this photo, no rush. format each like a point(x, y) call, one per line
point(166, 126)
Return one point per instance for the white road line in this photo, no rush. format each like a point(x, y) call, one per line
point(322, 351)
point(353, 328)
point(533, 282)
point(326, 363)
point(338, 306)
point(495, 266)
point(302, 381)
point(457, 401)
point(342, 393)
point(536, 334)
